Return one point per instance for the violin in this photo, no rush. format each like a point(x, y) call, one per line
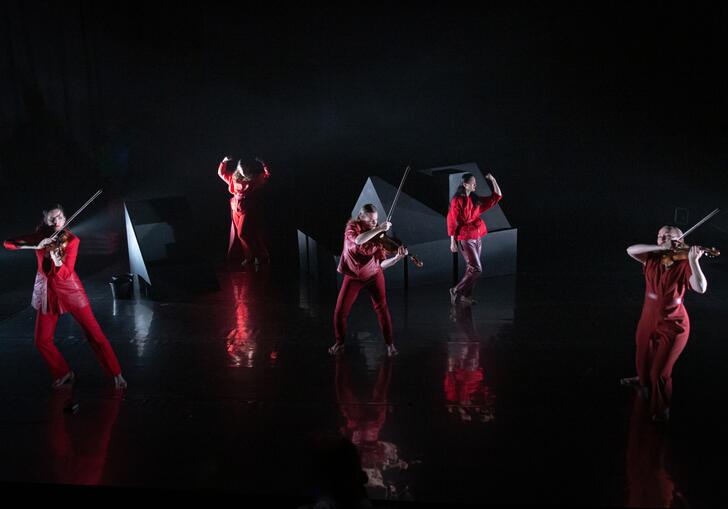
point(681, 252)
point(392, 245)
point(59, 244)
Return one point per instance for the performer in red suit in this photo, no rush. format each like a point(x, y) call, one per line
point(58, 290)
point(246, 227)
point(361, 264)
point(465, 228)
point(664, 326)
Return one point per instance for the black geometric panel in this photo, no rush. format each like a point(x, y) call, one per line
point(162, 249)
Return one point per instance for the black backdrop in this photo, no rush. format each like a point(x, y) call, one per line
point(597, 122)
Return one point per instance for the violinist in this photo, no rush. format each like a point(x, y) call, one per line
point(466, 228)
point(670, 268)
point(362, 261)
point(246, 226)
point(58, 290)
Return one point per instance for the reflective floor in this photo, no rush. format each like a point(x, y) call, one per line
point(515, 400)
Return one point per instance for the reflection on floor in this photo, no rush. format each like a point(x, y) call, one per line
point(515, 400)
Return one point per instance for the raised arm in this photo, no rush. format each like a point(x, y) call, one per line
point(222, 170)
point(496, 187)
point(29, 241)
point(368, 235)
point(698, 282)
point(640, 251)
point(488, 202)
point(266, 172)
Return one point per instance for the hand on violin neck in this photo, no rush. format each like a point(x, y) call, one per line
point(695, 253)
point(402, 252)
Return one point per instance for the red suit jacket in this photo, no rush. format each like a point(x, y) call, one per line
point(463, 218)
point(57, 289)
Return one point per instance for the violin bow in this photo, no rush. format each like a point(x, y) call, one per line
point(70, 219)
point(699, 223)
point(399, 191)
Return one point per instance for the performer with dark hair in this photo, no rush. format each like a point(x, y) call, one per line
point(465, 228)
point(362, 261)
point(664, 326)
point(246, 226)
point(58, 290)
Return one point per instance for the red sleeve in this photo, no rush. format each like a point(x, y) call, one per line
point(351, 232)
point(223, 173)
point(69, 262)
point(260, 179)
point(226, 176)
point(453, 215)
point(488, 202)
point(24, 240)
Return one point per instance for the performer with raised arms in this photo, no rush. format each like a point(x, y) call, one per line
point(466, 228)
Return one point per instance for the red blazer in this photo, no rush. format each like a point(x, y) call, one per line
point(463, 218)
point(57, 289)
point(359, 262)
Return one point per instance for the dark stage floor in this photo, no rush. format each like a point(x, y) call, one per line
point(516, 401)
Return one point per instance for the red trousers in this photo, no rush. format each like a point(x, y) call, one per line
point(237, 235)
point(254, 231)
point(45, 328)
point(658, 347)
point(471, 252)
point(248, 232)
point(350, 289)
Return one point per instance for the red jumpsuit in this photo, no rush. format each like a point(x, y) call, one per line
point(249, 237)
point(464, 223)
point(663, 328)
point(58, 290)
point(361, 268)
